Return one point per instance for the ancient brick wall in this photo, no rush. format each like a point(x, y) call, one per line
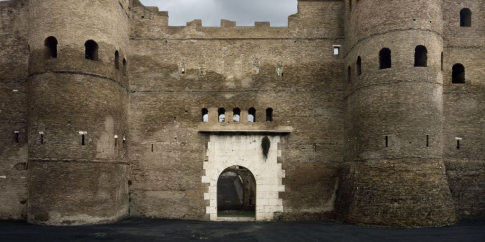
point(464, 107)
point(387, 146)
point(78, 112)
point(394, 117)
point(13, 110)
point(175, 72)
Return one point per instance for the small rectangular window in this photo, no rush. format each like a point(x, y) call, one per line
point(427, 140)
point(336, 50)
point(458, 142)
point(41, 139)
point(83, 139)
point(16, 137)
point(152, 147)
point(387, 141)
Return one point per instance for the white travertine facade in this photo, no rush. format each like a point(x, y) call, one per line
point(225, 151)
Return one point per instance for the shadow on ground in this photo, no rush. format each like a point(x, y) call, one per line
point(172, 230)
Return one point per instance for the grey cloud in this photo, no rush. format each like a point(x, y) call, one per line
point(244, 12)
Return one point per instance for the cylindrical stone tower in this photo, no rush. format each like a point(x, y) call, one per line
point(77, 111)
point(394, 173)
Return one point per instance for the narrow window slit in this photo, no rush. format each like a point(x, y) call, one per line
point(17, 137)
point(387, 141)
point(427, 140)
point(41, 138)
point(458, 146)
point(152, 147)
point(83, 139)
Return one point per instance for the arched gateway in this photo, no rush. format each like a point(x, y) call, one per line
point(226, 152)
point(236, 194)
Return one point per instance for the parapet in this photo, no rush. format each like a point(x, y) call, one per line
point(315, 19)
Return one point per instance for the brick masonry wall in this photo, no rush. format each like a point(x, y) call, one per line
point(382, 183)
point(13, 110)
point(464, 109)
point(72, 183)
point(165, 107)
point(334, 159)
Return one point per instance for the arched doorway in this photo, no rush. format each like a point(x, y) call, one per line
point(236, 193)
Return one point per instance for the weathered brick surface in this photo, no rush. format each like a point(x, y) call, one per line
point(332, 149)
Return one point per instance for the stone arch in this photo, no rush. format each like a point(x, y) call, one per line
point(225, 151)
point(236, 192)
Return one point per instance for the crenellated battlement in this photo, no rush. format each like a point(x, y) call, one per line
point(315, 19)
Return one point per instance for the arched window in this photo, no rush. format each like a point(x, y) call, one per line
point(222, 115)
point(252, 115)
point(236, 115)
point(205, 115)
point(465, 17)
point(269, 115)
point(358, 66)
point(91, 50)
point(349, 74)
point(117, 60)
point(420, 56)
point(50, 47)
point(385, 59)
point(458, 74)
point(124, 66)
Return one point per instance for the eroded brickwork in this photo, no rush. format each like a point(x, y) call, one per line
point(99, 141)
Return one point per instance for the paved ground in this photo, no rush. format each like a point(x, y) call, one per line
point(166, 230)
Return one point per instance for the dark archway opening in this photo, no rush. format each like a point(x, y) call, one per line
point(458, 74)
point(91, 50)
point(50, 47)
point(236, 193)
point(385, 60)
point(236, 115)
point(269, 115)
point(221, 114)
point(420, 56)
point(205, 115)
point(252, 115)
point(465, 17)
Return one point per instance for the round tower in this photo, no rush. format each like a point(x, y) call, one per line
point(78, 111)
point(393, 168)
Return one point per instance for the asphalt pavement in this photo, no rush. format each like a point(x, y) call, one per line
point(174, 230)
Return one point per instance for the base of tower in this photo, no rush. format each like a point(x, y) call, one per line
point(396, 193)
point(77, 192)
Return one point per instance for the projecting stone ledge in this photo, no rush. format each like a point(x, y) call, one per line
point(244, 129)
point(282, 132)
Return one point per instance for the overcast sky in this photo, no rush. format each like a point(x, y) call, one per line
point(244, 12)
